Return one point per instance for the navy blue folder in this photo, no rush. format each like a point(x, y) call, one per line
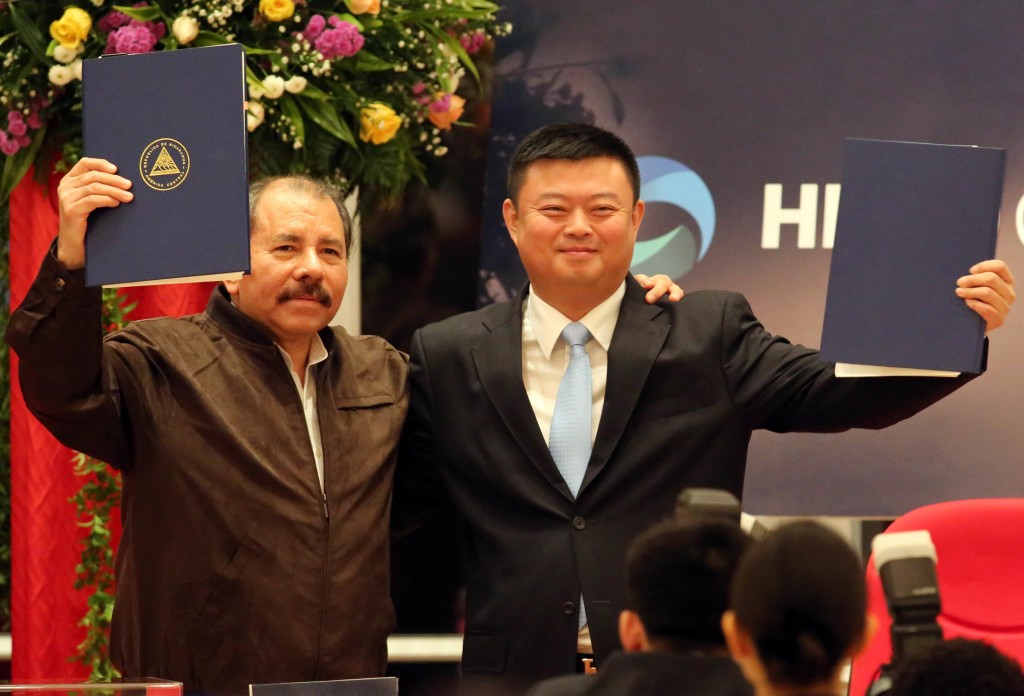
point(913, 217)
point(174, 124)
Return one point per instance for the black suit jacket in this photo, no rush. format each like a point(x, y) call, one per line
point(687, 384)
point(654, 674)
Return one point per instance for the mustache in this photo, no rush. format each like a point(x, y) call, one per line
point(316, 291)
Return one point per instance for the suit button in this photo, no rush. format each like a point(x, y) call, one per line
point(569, 608)
point(579, 523)
point(59, 284)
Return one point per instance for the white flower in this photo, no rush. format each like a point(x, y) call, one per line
point(185, 29)
point(76, 69)
point(254, 116)
point(256, 90)
point(273, 85)
point(60, 75)
point(63, 54)
point(295, 84)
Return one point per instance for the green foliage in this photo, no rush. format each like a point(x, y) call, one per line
point(312, 69)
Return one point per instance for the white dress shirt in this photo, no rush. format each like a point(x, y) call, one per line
point(545, 360)
point(307, 394)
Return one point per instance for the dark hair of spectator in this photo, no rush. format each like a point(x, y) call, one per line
point(315, 188)
point(800, 594)
point(678, 578)
point(958, 667)
point(574, 142)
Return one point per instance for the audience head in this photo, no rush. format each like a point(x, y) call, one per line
point(678, 577)
point(798, 609)
point(958, 667)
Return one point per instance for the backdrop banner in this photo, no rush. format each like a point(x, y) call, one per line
point(737, 112)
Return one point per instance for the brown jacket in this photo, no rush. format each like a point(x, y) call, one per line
point(231, 569)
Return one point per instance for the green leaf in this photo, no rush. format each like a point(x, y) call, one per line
point(456, 48)
point(28, 31)
point(17, 165)
point(353, 21)
point(368, 62)
point(209, 38)
point(323, 115)
point(291, 111)
point(147, 13)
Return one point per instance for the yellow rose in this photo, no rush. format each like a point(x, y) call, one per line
point(72, 28)
point(445, 119)
point(363, 6)
point(379, 123)
point(277, 10)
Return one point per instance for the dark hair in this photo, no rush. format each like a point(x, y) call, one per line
point(316, 188)
point(570, 141)
point(678, 577)
point(800, 594)
point(958, 667)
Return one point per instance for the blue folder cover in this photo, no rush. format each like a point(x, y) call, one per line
point(372, 686)
point(913, 217)
point(174, 124)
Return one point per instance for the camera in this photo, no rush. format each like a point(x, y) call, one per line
point(906, 563)
point(716, 501)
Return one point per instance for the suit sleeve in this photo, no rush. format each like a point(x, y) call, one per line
point(419, 493)
point(57, 334)
point(784, 387)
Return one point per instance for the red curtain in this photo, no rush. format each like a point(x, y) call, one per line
point(45, 608)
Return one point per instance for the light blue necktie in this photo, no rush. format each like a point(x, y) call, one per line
point(569, 441)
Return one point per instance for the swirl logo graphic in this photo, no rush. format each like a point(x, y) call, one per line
point(675, 252)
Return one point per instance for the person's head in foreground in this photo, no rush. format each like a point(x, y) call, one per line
point(678, 578)
point(958, 667)
point(797, 611)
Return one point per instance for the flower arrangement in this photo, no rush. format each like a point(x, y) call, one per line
point(360, 91)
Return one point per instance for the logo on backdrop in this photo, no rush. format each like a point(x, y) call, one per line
point(676, 251)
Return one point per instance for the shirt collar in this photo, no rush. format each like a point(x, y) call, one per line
point(547, 322)
point(317, 353)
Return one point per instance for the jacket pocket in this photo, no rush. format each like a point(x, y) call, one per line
point(484, 652)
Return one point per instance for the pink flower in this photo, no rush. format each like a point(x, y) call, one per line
point(472, 42)
point(16, 124)
point(111, 21)
point(7, 146)
point(342, 41)
point(24, 141)
point(132, 38)
point(442, 104)
point(314, 27)
point(34, 121)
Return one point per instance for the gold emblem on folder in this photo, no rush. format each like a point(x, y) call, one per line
point(164, 164)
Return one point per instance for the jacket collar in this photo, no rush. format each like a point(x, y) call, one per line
point(233, 320)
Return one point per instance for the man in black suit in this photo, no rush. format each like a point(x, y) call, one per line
point(677, 389)
point(677, 577)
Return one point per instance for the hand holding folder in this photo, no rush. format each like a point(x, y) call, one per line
point(913, 217)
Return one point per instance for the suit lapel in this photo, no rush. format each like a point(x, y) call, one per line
point(640, 333)
point(499, 364)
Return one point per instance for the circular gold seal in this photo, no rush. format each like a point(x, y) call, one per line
point(164, 164)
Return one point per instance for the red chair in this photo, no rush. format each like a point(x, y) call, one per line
point(980, 549)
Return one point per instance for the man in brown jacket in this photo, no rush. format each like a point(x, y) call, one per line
point(256, 444)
